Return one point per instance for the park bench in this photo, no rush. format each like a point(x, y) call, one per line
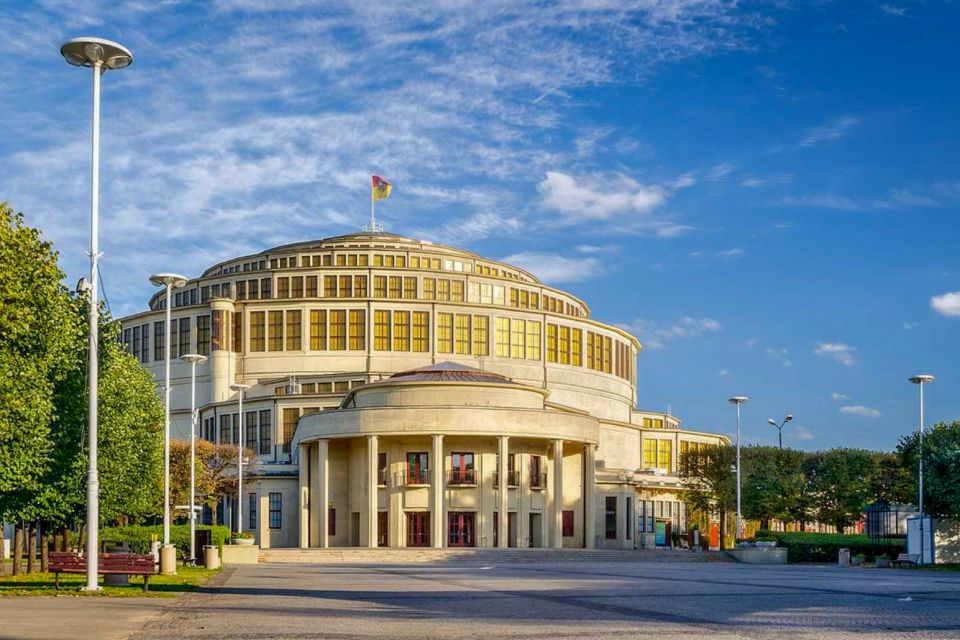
point(907, 558)
point(113, 563)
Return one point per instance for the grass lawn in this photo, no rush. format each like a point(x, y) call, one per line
point(41, 584)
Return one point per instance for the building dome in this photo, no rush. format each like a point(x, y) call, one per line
point(450, 372)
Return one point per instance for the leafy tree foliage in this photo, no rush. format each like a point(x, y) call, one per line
point(941, 468)
point(773, 482)
point(841, 481)
point(215, 472)
point(710, 485)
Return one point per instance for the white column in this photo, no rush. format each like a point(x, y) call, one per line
point(304, 473)
point(503, 446)
point(437, 527)
point(589, 496)
point(558, 494)
point(322, 488)
point(372, 491)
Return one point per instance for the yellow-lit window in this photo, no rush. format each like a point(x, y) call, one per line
point(445, 332)
point(503, 337)
point(649, 453)
point(456, 291)
point(534, 300)
point(258, 320)
point(318, 329)
point(275, 331)
point(296, 287)
point(443, 290)
point(401, 261)
point(551, 342)
point(401, 331)
point(283, 287)
point(395, 287)
point(378, 260)
point(338, 330)
point(381, 330)
point(461, 335)
point(294, 330)
point(379, 286)
point(607, 349)
point(359, 286)
point(311, 286)
point(329, 286)
point(665, 455)
point(564, 345)
point(346, 286)
point(518, 329)
point(590, 363)
point(429, 288)
point(358, 330)
point(414, 262)
point(533, 340)
point(389, 261)
point(576, 348)
point(653, 423)
point(435, 264)
point(410, 288)
point(514, 297)
point(363, 260)
point(352, 260)
point(524, 299)
point(421, 331)
point(481, 335)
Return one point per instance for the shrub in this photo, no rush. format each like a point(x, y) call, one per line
point(138, 538)
point(825, 547)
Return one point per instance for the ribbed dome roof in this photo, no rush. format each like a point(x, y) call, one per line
point(449, 372)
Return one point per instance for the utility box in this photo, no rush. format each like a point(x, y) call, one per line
point(843, 558)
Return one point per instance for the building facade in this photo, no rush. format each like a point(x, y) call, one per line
point(405, 393)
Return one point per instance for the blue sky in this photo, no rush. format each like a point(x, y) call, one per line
point(766, 193)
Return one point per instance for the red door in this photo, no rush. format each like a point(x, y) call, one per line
point(460, 528)
point(418, 529)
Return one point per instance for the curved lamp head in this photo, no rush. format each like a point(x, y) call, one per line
point(788, 418)
point(90, 52)
point(191, 358)
point(240, 387)
point(771, 421)
point(738, 400)
point(175, 280)
point(922, 379)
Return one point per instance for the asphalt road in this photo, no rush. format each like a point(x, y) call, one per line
point(574, 600)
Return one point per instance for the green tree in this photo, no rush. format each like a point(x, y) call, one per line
point(773, 480)
point(892, 480)
point(710, 484)
point(215, 472)
point(941, 468)
point(841, 481)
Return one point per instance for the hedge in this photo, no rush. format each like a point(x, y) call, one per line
point(139, 537)
point(825, 547)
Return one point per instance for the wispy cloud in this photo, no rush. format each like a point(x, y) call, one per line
point(554, 268)
point(830, 131)
point(893, 10)
point(723, 373)
point(598, 197)
point(842, 353)
point(781, 354)
point(839, 396)
point(720, 171)
point(654, 334)
point(860, 410)
point(947, 304)
point(802, 434)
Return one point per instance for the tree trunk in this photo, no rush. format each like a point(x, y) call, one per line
point(213, 516)
point(765, 524)
point(17, 548)
point(3, 560)
point(32, 547)
point(80, 540)
point(65, 538)
point(44, 549)
point(723, 527)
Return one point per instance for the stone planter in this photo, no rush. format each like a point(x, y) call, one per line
point(242, 541)
point(883, 563)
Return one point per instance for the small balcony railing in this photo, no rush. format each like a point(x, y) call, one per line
point(418, 476)
point(513, 478)
point(462, 476)
point(382, 477)
point(538, 480)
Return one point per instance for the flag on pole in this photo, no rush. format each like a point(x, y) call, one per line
point(380, 188)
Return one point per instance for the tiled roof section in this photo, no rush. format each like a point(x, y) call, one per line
point(450, 372)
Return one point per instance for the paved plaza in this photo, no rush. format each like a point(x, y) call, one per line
point(535, 600)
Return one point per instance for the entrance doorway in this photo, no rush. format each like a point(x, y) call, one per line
point(536, 531)
point(512, 529)
point(383, 524)
point(461, 527)
point(418, 529)
point(355, 529)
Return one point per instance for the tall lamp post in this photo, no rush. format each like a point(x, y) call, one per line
point(193, 359)
point(921, 380)
point(100, 55)
point(240, 389)
point(168, 556)
point(780, 426)
point(738, 400)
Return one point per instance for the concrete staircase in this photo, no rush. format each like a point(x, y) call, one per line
point(353, 555)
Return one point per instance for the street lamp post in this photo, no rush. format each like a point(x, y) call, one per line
point(170, 281)
point(240, 389)
point(100, 55)
point(193, 359)
point(921, 380)
point(738, 400)
point(780, 426)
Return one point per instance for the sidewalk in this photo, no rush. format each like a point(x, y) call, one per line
point(79, 618)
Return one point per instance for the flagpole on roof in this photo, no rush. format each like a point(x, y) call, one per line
point(373, 219)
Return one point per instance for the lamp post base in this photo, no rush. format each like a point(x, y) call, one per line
point(168, 560)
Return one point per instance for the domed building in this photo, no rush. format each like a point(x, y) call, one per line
point(404, 393)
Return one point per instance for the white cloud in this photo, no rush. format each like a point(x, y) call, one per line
point(860, 410)
point(893, 10)
point(752, 342)
point(654, 335)
point(753, 182)
point(802, 434)
point(780, 353)
point(723, 373)
point(598, 198)
point(669, 231)
point(720, 171)
point(551, 267)
point(842, 353)
point(831, 131)
point(948, 304)
point(839, 396)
